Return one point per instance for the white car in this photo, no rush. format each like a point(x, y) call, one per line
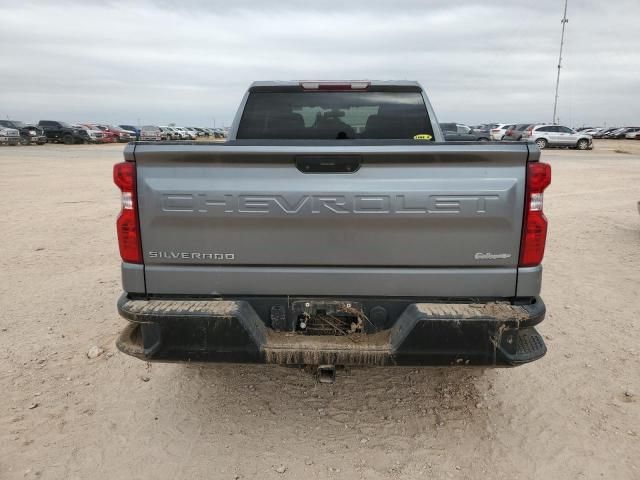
point(184, 135)
point(192, 133)
point(95, 135)
point(497, 133)
point(10, 136)
point(167, 132)
point(632, 133)
point(171, 133)
point(188, 135)
point(198, 132)
point(557, 136)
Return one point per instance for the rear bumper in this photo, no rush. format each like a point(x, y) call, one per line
point(491, 333)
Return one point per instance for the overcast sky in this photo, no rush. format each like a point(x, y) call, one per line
point(189, 62)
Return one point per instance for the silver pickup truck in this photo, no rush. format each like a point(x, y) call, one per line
point(334, 227)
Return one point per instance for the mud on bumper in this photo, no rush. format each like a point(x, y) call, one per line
point(491, 333)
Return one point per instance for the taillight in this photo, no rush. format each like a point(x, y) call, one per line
point(124, 176)
point(534, 230)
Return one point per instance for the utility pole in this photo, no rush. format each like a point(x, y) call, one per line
point(564, 23)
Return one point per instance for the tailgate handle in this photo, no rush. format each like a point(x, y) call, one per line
point(328, 163)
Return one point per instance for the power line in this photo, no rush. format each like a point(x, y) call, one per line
point(564, 22)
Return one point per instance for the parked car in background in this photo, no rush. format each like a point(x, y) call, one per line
point(122, 135)
point(95, 134)
point(497, 132)
point(611, 131)
point(515, 132)
point(187, 135)
point(28, 133)
point(591, 131)
point(184, 134)
point(484, 129)
point(457, 132)
point(192, 133)
point(169, 133)
point(64, 132)
point(631, 133)
point(151, 133)
point(132, 129)
point(604, 132)
point(198, 131)
point(175, 133)
point(9, 136)
point(557, 136)
point(109, 134)
point(617, 134)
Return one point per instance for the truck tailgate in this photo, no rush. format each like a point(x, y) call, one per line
point(215, 218)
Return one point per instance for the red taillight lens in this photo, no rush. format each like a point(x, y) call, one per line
point(534, 231)
point(124, 176)
point(538, 177)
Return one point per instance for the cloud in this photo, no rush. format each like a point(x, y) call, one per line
point(190, 62)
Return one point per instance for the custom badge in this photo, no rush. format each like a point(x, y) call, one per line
point(422, 136)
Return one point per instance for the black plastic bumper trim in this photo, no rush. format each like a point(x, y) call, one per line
point(494, 333)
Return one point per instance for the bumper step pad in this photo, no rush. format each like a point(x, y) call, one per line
point(424, 334)
point(529, 347)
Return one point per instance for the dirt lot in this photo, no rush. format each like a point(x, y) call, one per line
point(575, 414)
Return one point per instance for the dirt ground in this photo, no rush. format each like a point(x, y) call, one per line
point(573, 415)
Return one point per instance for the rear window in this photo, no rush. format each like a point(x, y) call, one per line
point(334, 115)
